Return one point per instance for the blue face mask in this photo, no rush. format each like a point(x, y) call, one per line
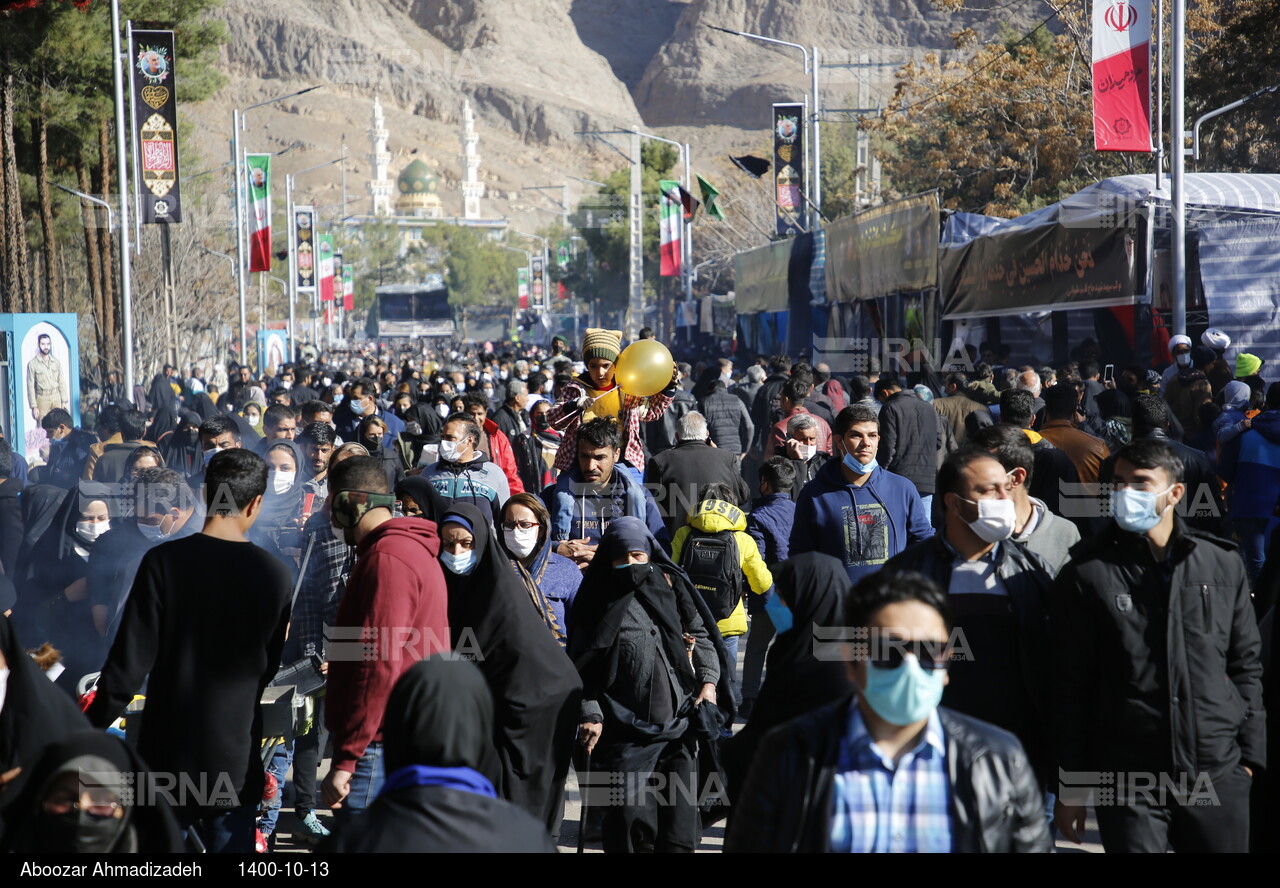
point(858, 468)
point(905, 695)
point(779, 614)
point(1135, 510)
point(459, 564)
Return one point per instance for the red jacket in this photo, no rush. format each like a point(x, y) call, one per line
point(394, 612)
point(501, 455)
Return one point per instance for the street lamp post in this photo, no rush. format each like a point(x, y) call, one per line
point(813, 151)
point(126, 270)
point(242, 268)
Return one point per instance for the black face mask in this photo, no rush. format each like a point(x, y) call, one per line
point(373, 445)
point(189, 436)
point(77, 832)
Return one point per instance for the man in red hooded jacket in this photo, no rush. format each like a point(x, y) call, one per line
point(393, 613)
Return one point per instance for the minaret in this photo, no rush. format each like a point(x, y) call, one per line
point(472, 187)
point(379, 159)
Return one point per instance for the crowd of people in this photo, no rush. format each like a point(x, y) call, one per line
point(918, 609)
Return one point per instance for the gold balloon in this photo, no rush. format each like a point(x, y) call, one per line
point(644, 368)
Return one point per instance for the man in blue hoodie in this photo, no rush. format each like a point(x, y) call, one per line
point(1250, 464)
point(592, 493)
point(855, 510)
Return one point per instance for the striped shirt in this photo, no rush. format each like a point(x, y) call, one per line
point(880, 807)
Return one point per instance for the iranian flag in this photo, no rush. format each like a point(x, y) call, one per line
point(258, 170)
point(669, 227)
point(348, 287)
point(1122, 76)
point(324, 245)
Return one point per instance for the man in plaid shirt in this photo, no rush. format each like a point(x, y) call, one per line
point(887, 769)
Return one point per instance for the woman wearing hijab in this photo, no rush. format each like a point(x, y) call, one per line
point(58, 576)
point(439, 795)
point(285, 507)
point(1116, 411)
point(419, 499)
point(536, 690)
point(181, 450)
point(550, 580)
point(809, 590)
point(80, 798)
point(161, 396)
point(34, 716)
point(655, 681)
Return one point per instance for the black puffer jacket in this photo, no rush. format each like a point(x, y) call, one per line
point(1161, 673)
point(910, 438)
point(728, 421)
point(788, 800)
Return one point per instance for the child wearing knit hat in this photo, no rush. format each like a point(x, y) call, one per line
point(595, 393)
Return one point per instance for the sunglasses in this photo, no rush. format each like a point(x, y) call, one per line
point(891, 653)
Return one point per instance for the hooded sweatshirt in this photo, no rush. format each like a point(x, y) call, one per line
point(714, 516)
point(396, 601)
point(581, 510)
point(862, 526)
point(478, 481)
point(1235, 401)
point(1251, 465)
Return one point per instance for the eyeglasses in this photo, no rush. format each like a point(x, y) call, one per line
point(519, 525)
point(891, 653)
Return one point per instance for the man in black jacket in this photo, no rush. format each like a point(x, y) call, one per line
point(513, 422)
point(206, 619)
point(910, 436)
point(998, 592)
point(822, 782)
point(1202, 507)
point(1158, 685)
point(677, 477)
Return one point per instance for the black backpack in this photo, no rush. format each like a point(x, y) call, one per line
point(711, 561)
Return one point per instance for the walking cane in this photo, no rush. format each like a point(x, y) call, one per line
point(582, 814)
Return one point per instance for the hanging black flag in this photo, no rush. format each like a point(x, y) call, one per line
point(688, 203)
point(751, 165)
point(155, 126)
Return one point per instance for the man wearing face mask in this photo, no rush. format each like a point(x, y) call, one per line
point(464, 472)
point(1180, 351)
point(1158, 670)
point(888, 769)
point(361, 401)
point(802, 451)
point(397, 595)
point(998, 593)
point(162, 508)
point(854, 509)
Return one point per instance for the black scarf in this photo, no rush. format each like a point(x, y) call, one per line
point(424, 493)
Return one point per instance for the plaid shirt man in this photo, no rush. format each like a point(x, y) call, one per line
point(323, 580)
point(882, 808)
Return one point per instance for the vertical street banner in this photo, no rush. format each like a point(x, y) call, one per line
point(522, 286)
point(348, 286)
point(324, 266)
point(1122, 75)
point(671, 219)
point(337, 278)
point(788, 166)
point(304, 248)
point(258, 187)
point(155, 118)
point(538, 283)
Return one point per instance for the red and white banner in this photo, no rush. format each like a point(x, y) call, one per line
point(1122, 75)
point(324, 274)
point(670, 222)
point(259, 189)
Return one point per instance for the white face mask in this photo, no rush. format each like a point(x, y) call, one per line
point(996, 519)
point(443, 410)
point(520, 542)
point(806, 451)
point(91, 530)
point(449, 451)
point(282, 482)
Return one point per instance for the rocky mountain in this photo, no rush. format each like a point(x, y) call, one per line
point(537, 72)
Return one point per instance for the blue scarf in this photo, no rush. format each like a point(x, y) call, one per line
point(464, 779)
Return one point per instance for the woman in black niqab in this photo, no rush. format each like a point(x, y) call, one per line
point(105, 766)
point(814, 587)
point(535, 688)
point(439, 794)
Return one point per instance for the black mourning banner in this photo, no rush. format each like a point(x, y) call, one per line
point(1039, 269)
point(887, 249)
point(788, 167)
point(155, 121)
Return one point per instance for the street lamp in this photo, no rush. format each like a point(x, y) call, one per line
point(289, 181)
point(815, 153)
point(242, 273)
point(89, 197)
